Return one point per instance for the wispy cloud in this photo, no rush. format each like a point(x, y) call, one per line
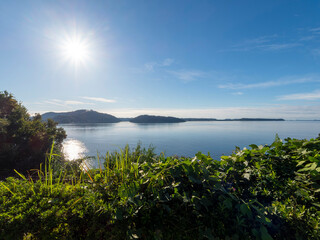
point(99, 99)
point(275, 42)
point(150, 66)
point(63, 103)
point(259, 40)
point(71, 102)
point(57, 105)
point(153, 66)
point(315, 95)
point(188, 75)
point(269, 83)
point(309, 34)
point(316, 52)
point(167, 62)
point(263, 43)
point(315, 30)
point(307, 38)
point(279, 46)
point(52, 103)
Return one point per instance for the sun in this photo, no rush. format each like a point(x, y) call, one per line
point(75, 49)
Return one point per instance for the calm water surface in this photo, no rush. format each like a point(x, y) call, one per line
point(183, 139)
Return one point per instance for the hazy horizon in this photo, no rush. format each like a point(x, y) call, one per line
point(201, 59)
point(201, 113)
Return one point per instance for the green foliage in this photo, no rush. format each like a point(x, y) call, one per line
point(24, 141)
point(266, 192)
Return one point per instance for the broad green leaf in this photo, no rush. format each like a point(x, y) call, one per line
point(228, 203)
point(255, 233)
point(313, 159)
point(264, 234)
point(253, 146)
point(316, 204)
point(300, 163)
point(244, 209)
point(313, 166)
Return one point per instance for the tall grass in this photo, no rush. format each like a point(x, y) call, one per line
point(118, 167)
point(124, 163)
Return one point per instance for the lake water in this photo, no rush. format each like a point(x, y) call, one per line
point(183, 139)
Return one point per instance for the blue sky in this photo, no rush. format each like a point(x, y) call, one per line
point(221, 59)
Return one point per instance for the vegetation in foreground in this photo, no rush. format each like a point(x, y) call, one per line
point(24, 140)
point(266, 192)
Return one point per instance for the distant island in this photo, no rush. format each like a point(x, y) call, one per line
point(233, 119)
point(81, 116)
point(199, 119)
point(90, 116)
point(254, 119)
point(156, 119)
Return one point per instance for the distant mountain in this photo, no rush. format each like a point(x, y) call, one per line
point(80, 116)
point(155, 119)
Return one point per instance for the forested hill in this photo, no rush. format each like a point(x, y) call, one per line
point(81, 116)
point(155, 119)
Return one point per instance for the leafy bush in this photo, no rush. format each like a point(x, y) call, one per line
point(24, 141)
point(266, 192)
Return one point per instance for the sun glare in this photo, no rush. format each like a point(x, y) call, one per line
point(76, 50)
point(73, 149)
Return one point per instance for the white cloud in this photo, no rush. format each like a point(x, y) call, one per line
point(53, 103)
point(71, 102)
point(302, 96)
point(316, 52)
point(263, 43)
point(265, 47)
point(167, 62)
point(269, 83)
point(59, 102)
point(260, 40)
point(238, 93)
point(310, 34)
point(306, 38)
point(99, 99)
point(279, 46)
point(188, 75)
point(150, 66)
point(315, 30)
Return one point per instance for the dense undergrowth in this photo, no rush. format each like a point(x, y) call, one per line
point(266, 192)
point(24, 140)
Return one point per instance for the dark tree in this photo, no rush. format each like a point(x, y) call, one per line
point(24, 141)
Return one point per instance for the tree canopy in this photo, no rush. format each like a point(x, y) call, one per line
point(24, 140)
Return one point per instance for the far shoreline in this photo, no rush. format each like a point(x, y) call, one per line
point(199, 120)
point(91, 116)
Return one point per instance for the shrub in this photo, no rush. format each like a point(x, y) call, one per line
point(266, 192)
point(24, 141)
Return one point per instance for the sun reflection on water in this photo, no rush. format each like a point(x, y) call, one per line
point(74, 149)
